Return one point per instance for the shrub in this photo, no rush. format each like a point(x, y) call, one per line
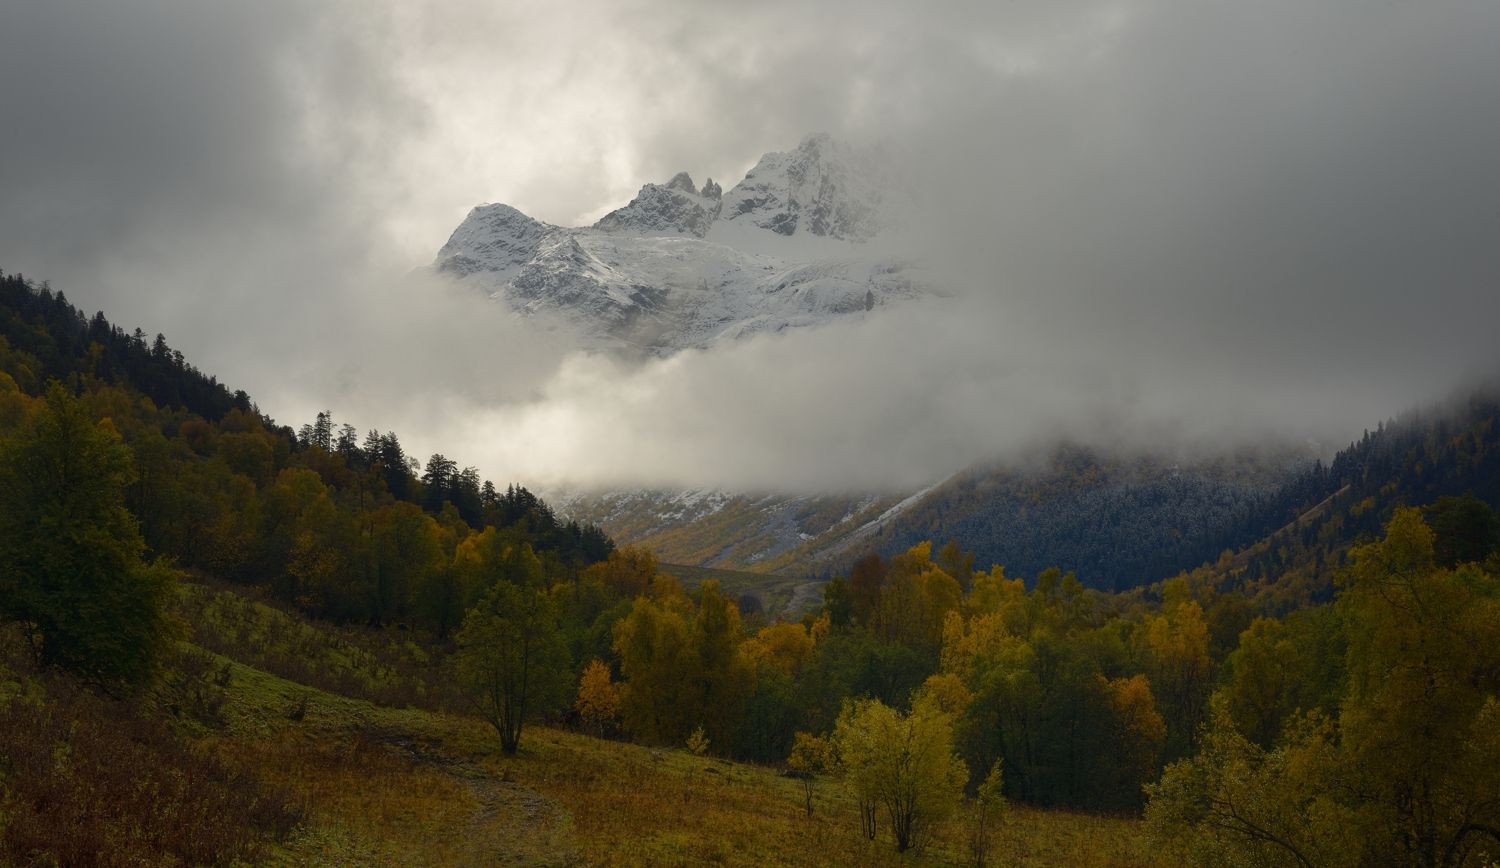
point(86, 780)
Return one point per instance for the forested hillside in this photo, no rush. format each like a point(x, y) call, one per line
point(1445, 457)
point(1123, 524)
point(1116, 522)
point(340, 525)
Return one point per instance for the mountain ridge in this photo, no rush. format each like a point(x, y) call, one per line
point(1117, 522)
point(678, 267)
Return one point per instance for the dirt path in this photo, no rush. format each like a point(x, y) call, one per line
point(512, 826)
point(804, 597)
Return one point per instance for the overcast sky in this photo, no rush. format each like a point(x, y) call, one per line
point(1167, 222)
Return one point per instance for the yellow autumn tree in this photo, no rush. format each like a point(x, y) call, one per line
point(1405, 774)
point(627, 571)
point(655, 650)
point(682, 665)
point(915, 600)
point(720, 678)
point(946, 692)
point(903, 763)
point(969, 646)
point(811, 756)
point(1136, 735)
point(993, 593)
point(1180, 670)
point(782, 646)
point(1420, 722)
point(598, 701)
point(1271, 679)
point(985, 813)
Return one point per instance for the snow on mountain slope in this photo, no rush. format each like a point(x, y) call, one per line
point(1118, 522)
point(764, 533)
point(824, 188)
point(795, 244)
point(674, 207)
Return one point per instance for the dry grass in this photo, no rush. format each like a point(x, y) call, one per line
point(88, 780)
point(416, 788)
point(365, 804)
point(635, 806)
point(380, 785)
point(774, 592)
point(387, 666)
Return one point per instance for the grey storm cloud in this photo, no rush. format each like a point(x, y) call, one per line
point(1163, 221)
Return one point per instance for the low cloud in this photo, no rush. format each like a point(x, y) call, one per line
point(1166, 223)
point(890, 403)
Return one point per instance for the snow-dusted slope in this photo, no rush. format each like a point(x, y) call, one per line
point(794, 244)
point(764, 533)
point(1117, 522)
point(675, 207)
point(823, 188)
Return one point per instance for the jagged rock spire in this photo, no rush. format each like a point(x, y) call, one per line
point(684, 182)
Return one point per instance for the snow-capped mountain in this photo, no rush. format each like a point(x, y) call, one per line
point(796, 243)
point(823, 188)
point(676, 207)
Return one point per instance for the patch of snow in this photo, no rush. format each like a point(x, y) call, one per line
point(900, 506)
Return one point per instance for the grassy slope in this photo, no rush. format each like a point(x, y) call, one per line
point(775, 592)
point(403, 786)
point(753, 534)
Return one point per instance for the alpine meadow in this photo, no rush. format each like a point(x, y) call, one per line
point(682, 432)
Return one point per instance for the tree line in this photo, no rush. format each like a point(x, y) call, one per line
point(109, 495)
point(48, 338)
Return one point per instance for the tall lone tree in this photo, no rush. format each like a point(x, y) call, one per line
point(71, 567)
point(512, 661)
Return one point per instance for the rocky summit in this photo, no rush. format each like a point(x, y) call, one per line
point(804, 238)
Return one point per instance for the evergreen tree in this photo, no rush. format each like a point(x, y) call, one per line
point(347, 445)
point(438, 482)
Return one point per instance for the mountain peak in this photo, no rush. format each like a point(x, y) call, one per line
point(683, 182)
point(681, 266)
point(824, 187)
point(673, 207)
point(813, 142)
point(494, 237)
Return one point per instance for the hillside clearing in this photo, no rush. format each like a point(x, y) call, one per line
point(411, 787)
